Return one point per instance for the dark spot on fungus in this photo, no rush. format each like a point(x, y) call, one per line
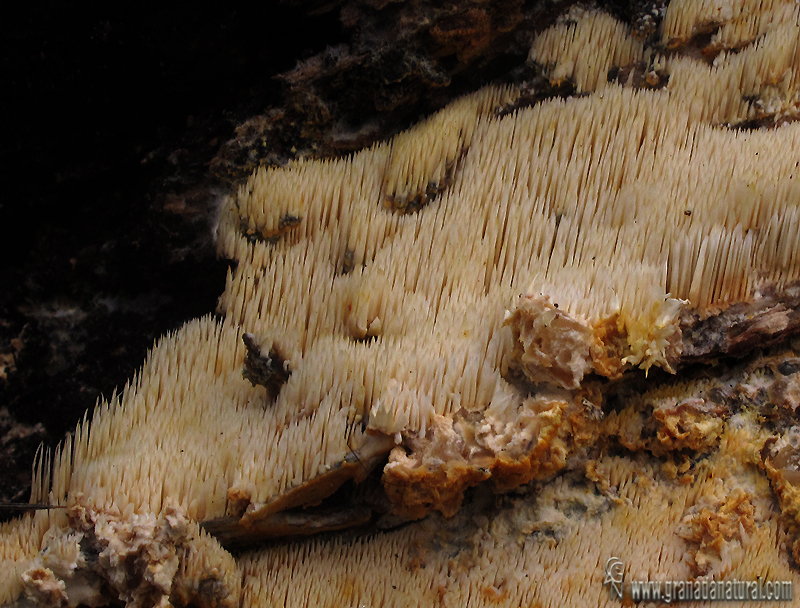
point(789, 367)
point(270, 371)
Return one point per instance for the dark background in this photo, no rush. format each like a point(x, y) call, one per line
point(112, 114)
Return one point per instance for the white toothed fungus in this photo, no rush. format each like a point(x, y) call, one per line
point(453, 300)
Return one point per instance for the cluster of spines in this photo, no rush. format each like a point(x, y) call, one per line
point(529, 554)
point(546, 199)
point(584, 33)
point(739, 22)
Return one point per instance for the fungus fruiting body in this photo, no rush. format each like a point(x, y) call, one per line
point(489, 300)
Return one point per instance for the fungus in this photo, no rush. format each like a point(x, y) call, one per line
point(548, 548)
point(488, 299)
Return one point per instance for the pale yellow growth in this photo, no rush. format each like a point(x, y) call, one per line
point(627, 204)
point(762, 80)
point(606, 204)
point(426, 155)
point(584, 47)
point(503, 563)
point(20, 542)
point(741, 21)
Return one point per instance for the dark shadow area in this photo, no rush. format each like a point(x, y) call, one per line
point(112, 116)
